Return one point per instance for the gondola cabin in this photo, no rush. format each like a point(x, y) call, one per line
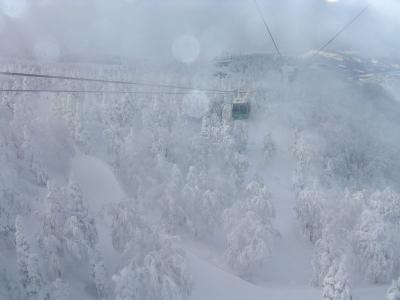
point(240, 108)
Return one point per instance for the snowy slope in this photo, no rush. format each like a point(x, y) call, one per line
point(286, 276)
point(149, 170)
point(291, 260)
point(210, 282)
point(213, 283)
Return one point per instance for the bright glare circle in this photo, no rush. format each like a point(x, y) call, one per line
point(331, 1)
point(196, 104)
point(186, 49)
point(14, 8)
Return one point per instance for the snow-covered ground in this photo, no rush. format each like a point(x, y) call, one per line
point(119, 189)
point(286, 276)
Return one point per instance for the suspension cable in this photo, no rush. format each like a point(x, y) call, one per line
point(267, 27)
point(341, 31)
point(46, 76)
point(99, 92)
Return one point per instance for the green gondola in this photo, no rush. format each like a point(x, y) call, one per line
point(240, 111)
point(240, 107)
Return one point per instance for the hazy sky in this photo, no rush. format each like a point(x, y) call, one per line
point(153, 29)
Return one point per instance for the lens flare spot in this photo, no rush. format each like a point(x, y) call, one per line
point(186, 49)
point(196, 104)
point(14, 8)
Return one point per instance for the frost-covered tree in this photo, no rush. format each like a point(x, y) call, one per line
point(374, 247)
point(27, 263)
point(198, 207)
point(191, 201)
point(249, 244)
point(162, 274)
point(51, 236)
point(175, 211)
point(240, 135)
point(212, 205)
point(303, 155)
point(259, 200)
point(240, 164)
point(336, 284)
point(32, 156)
point(393, 292)
point(256, 199)
point(128, 230)
point(99, 275)
point(387, 204)
point(309, 212)
point(9, 286)
point(81, 238)
point(249, 230)
point(80, 229)
point(323, 257)
point(56, 290)
point(340, 215)
point(9, 208)
point(176, 181)
point(10, 205)
point(269, 148)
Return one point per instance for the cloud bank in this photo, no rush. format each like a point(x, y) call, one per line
point(148, 30)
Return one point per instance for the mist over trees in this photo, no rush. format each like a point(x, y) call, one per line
point(187, 179)
point(144, 191)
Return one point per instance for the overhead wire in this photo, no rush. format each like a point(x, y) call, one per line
point(144, 84)
point(169, 86)
point(270, 35)
point(346, 26)
point(97, 92)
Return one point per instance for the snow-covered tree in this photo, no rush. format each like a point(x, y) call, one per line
point(161, 275)
point(249, 230)
point(81, 238)
point(56, 290)
point(336, 284)
point(176, 181)
point(323, 257)
point(393, 292)
point(196, 182)
point(99, 275)
point(9, 204)
point(240, 134)
point(374, 247)
point(240, 164)
point(258, 199)
point(309, 210)
point(9, 286)
point(33, 158)
point(80, 229)
point(249, 244)
point(127, 228)
point(175, 212)
point(212, 206)
point(27, 263)
point(269, 148)
point(387, 203)
point(9, 208)
point(51, 237)
point(340, 215)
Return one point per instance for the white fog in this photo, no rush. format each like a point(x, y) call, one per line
point(200, 149)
